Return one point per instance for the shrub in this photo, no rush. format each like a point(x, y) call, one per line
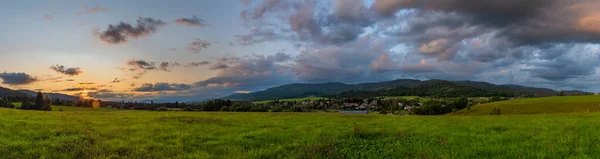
point(495, 111)
point(382, 112)
point(277, 110)
point(46, 108)
point(188, 109)
point(161, 109)
point(297, 109)
point(224, 109)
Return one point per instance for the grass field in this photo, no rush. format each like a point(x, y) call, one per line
point(145, 134)
point(290, 100)
point(567, 104)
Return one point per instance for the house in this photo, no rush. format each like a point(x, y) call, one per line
point(353, 112)
point(351, 104)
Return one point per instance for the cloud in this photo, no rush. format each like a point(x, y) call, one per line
point(198, 45)
point(117, 34)
point(149, 87)
point(48, 17)
point(549, 43)
point(93, 10)
point(141, 67)
point(67, 71)
point(78, 89)
point(246, 2)
point(141, 64)
point(193, 21)
point(197, 64)
point(17, 78)
point(166, 66)
point(250, 73)
point(106, 94)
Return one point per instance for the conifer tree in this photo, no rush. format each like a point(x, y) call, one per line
point(39, 101)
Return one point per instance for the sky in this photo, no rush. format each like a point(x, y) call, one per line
point(195, 50)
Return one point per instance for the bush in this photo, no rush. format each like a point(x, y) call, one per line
point(495, 111)
point(277, 110)
point(26, 106)
point(297, 109)
point(224, 109)
point(382, 112)
point(188, 109)
point(46, 108)
point(161, 109)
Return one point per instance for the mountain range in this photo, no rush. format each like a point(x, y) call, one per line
point(400, 87)
point(20, 93)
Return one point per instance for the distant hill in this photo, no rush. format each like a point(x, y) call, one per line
point(401, 87)
point(54, 96)
point(5, 92)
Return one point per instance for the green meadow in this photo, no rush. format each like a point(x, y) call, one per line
point(96, 133)
point(549, 105)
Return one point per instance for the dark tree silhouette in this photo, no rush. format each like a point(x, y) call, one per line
point(39, 101)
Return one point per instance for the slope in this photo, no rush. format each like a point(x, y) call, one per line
point(565, 104)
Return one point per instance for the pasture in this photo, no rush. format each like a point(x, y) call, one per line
point(145, 134)
point(549, 105)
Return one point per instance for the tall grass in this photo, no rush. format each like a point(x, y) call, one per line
point(143, 134)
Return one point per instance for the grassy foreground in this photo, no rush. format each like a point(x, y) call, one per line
point(142, 134)
point(549, 105)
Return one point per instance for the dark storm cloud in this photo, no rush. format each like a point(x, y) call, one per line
point(497, 12)
point(350, 62)
point(67, 71)
point(116, 34)
point(17, 78)
point(249, 72)
point(560, 62)
point(198, 45)
point(149, 87)
point(504, 41)
point(193, 21)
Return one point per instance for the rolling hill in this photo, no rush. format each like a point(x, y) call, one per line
point(5, 92)
point(400, 87)
point(564, 104)
point(51, 95)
